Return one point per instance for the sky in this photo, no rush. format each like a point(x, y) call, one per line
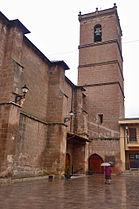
point(54, 28)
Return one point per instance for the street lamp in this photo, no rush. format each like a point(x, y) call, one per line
point(68, 118)
point(126, 128)
point(18, 98)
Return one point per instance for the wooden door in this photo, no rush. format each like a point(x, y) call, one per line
point(67, 161)
point(95, 162)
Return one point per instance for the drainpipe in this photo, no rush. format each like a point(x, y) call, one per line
point(71, 120)
point(125, 150)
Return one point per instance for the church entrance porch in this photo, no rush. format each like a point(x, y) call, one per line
point(76, 149)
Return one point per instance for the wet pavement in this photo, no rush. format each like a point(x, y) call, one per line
point(78, 193)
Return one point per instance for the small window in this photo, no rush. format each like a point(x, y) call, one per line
point(134, 156)
point(137, 156)
point(100, 117)
point(97, 33)
point(131, 156)
point(132, 134)
point(84, 101)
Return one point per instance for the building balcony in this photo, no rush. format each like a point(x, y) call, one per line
point(132, 143)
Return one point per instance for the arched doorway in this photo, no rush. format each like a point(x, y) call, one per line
point(67, 162)
point(95, 163)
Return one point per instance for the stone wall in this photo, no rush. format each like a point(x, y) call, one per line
point(108, 150)
point(9, 121)
point(81, 114)
point(78, 152)
point(40, 148)
point(38, 145)
point(36, 78)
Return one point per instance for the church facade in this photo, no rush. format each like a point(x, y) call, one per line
point(58, 125)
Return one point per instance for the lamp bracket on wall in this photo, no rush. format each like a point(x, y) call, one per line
point(19, 99)
point(68, 118)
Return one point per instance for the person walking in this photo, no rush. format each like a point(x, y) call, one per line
point(107, 174)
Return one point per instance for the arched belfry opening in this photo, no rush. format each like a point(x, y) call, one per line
point(97, 33)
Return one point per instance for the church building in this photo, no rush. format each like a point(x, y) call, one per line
point(48, 124)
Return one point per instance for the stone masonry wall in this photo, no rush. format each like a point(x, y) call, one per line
point(108, 150)
point(81, 115)
point(38, 141)
point(35, 72)
point(9, 121)
point(40, 148)
point(31, 142)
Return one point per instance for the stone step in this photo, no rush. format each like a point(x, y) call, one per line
point(131, 172)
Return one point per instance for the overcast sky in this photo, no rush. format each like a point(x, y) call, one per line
point(54, 30)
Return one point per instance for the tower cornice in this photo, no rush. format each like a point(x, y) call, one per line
point(100, 13)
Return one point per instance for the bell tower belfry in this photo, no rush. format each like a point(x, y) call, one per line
point(100, 70)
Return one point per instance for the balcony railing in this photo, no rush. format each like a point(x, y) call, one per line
point(132, 140)
point(132, 143)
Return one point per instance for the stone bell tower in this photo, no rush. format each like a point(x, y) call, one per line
point(100, 71)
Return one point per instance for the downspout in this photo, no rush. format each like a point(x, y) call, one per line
point(125, 150)
point(71, 119)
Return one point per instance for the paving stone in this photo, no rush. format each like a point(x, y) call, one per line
point(88, 192)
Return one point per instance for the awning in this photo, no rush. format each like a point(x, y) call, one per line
point(75, 138)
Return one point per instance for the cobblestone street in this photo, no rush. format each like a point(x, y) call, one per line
point(78, 193)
